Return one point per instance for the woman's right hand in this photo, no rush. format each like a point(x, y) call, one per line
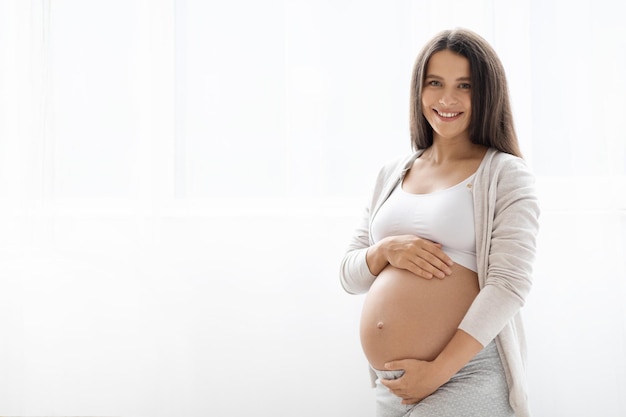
point(422, 257)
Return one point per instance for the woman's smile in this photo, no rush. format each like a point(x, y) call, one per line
point(447, 115)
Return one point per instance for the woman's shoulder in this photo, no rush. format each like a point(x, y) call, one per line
point(392, 170)
point(499, 160)
point(504, 171)
point(399, 163)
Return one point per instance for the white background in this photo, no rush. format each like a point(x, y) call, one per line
point(179, 180)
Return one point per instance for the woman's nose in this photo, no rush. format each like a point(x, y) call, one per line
point(447, 99)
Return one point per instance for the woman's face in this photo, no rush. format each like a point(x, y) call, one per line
point(447, 95)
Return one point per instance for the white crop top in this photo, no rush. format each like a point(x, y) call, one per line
point(445, 217)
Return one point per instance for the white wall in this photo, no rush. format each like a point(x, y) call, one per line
point(179, 180)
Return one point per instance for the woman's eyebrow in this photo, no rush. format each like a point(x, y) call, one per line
point(441, 78)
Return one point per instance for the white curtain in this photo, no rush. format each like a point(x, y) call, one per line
point(179, 179)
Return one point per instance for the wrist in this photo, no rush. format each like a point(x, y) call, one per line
point(376, 257)
point(444, 368)
point(457, 353)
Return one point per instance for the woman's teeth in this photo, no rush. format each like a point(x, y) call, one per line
point(442, 114)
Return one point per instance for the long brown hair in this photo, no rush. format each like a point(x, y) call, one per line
point(491, 122)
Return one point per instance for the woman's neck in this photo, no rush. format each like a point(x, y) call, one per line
point(441, 152)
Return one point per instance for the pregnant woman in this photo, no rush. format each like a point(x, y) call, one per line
point(446, 246)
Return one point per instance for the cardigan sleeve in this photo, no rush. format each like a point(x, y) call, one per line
point(355, 275)
point(510, 225)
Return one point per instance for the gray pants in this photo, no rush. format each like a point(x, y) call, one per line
point(477, 390)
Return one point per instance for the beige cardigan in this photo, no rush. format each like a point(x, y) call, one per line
point(506, 215)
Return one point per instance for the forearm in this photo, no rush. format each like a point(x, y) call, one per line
point(457, 353)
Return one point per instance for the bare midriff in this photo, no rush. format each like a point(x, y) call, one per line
point(408, 317)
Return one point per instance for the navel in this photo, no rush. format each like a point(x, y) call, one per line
point(380, 324)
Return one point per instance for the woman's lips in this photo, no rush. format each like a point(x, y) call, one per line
point(447, 115)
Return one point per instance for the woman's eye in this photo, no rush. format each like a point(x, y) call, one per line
point(465, 86)
point(434, 83)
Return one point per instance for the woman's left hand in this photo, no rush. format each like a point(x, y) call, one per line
point(420, 379)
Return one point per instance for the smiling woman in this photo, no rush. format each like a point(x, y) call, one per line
point(431, 342)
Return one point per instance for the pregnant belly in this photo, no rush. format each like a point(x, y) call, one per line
point(405, 316)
